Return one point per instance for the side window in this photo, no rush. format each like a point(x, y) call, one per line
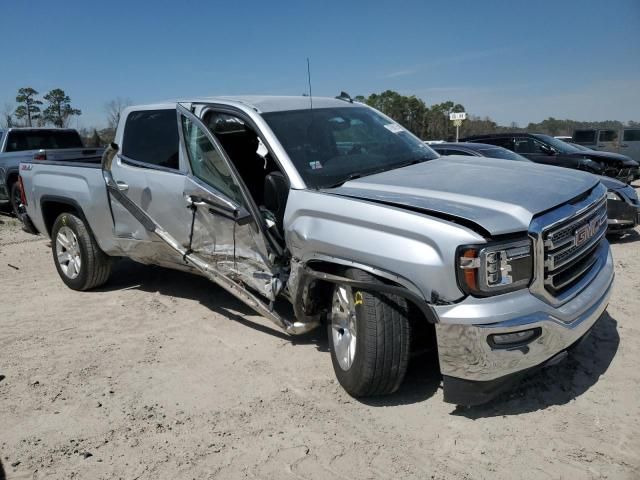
point(527, 145)
point(632, 135)
point(207, 163)
point(584, 136)
point(151, 136)
point(607, 136)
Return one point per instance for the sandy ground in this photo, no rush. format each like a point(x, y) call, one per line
point(163, 375)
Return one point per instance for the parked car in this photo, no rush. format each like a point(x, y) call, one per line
point(623, 207)
point(507, 268)
point(625, 141)
point(551, 151)
point(24, 144)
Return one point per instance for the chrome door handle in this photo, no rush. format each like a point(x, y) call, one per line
point(123, 187)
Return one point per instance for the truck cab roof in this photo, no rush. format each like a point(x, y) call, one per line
point(259, 103)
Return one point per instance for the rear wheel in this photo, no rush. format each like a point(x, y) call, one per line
point(78, 258)
point(369, 336)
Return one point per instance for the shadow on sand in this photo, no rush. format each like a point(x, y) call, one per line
point(555, 385)
point(628, 237)
point(148, 278)
point(558, 384)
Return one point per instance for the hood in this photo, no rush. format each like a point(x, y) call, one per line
point(599, 155)
point(501, 196)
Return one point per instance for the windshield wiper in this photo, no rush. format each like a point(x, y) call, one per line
point(352, 176)
point(411, 162)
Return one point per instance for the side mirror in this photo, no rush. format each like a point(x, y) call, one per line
point(107, 156)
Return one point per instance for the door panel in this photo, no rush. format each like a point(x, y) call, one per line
point(160, 195)
point(225, 232)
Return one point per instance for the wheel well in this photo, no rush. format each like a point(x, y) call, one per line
point(423, 335)
point(52, 210)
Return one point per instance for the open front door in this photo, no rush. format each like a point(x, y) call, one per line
point(224, 221)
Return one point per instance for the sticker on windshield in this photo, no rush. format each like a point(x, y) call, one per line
point(315, 165)
point(394, 128)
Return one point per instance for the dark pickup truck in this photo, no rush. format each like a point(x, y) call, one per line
point(27, 144)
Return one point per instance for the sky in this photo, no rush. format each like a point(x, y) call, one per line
point(514, 61)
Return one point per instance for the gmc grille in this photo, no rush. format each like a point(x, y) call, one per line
point(570, 248)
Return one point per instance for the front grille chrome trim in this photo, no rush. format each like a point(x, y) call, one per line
point(560, 220)
point(551, 262)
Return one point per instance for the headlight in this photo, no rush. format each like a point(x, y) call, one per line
point(494, 268)
point(611, 195)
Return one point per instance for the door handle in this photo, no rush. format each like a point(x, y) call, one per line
point(123, 187)
point(624, 145)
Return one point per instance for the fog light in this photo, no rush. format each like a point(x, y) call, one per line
point(513, 339)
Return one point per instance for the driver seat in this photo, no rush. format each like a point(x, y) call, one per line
point(276, 193)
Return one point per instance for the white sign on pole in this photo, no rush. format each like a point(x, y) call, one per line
point(458, 116)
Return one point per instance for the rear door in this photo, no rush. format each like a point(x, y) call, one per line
point(630, 145)
point(150, 172)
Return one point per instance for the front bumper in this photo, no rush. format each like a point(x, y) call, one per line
point(475, 372)
point(622, 215)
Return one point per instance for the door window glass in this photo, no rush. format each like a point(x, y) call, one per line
point(528, 145)
point(151, 136)
point(608, 136)
point(632, 135)
point(207, 163)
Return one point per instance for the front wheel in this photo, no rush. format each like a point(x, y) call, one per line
point(80, 262)
point(369, 336)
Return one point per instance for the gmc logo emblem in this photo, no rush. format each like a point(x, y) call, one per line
point(586, 232)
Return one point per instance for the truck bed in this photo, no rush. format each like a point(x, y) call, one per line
point(78, 184)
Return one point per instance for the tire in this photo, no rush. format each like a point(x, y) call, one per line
point(378, 363)
point(15, 199)
point(77, 257)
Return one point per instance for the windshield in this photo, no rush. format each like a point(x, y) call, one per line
point(499, 152)
point(331, 145)
point(582, 148)
point(559, 145)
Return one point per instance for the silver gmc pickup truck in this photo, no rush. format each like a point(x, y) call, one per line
point(357, 223)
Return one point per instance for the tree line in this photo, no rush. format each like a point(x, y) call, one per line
point(432, 122)
point(427, 122)
point(31, 111)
